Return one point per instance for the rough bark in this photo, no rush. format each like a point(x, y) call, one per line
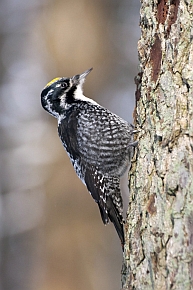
point(159, 229)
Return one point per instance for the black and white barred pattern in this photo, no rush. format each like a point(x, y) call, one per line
point(98, 142)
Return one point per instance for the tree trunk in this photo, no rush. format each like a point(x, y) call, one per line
point(159, 229)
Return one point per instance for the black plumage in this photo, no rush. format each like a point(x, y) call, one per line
point(98, 142)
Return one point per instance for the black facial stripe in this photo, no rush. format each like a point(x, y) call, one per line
point(70, 95)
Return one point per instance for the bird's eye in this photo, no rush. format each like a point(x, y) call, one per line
point(63, 85)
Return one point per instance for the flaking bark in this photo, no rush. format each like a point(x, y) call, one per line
point(159, 229)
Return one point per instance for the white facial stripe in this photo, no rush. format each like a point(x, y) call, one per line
point(49, 93)
point(50, 110)
point(63, 100)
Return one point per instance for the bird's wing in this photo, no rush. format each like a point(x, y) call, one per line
point(86, 146)
point(67, 131)
point(94, 154)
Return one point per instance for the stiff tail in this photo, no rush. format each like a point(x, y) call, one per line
point(117, 219)
point(105, 190)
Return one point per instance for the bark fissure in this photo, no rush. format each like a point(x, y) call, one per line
point(159, 230)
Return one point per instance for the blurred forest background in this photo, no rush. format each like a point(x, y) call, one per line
point(51, 233)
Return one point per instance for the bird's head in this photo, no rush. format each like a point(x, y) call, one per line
point(60, 93)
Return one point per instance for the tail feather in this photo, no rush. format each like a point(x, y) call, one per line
point(103, 212)
point(117, 219)
point(106, 192)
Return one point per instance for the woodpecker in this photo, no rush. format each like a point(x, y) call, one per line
point(98, 142)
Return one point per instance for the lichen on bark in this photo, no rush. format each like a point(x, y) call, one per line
point(159, 229)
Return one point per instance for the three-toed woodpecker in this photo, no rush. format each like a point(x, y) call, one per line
point(98, 142)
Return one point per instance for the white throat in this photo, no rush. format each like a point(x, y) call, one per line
point(79, 96)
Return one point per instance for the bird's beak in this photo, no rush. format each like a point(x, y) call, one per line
point(77, 79)
point(84, 74)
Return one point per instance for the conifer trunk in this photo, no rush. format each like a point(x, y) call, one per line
point(159, 228)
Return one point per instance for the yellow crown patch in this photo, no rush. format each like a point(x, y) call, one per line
point(52, 81)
